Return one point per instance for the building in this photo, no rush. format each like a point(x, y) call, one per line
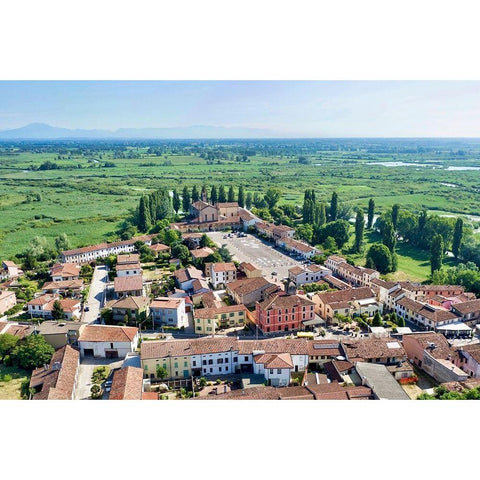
point(59, 334)
point(250, 290)
point(384, 350)
point(356, 276)
point(283, 313)
point(274, 232)
point(130, 308)
point(200, 254)
point(107, 341)
point(124, 286)
point(338, 391)
point(7, 301)
point(128, 269)
point(468, 359)
point(57, 381)
point(64, 287)
point(431, 352)
point(192, 240)
point(381, 381)
point(221, 273)
point(301, 275)
point(468, 312)
point(249, 270)
point(227, 209)
point(61, 272)
point(160, 249)
point(203, 212)
point(43, 306)
point(127, 384)
point(208, 320)
point(300, 249)
point(275, 367)
point(128, 259)
point(169, 311)
point(186, 276)
point(10, 270)
point(323, 351)
point(103, 250)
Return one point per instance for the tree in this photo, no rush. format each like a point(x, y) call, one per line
point(457, 237)
point(379, 258)
point(171, 237)
point(329, 244)
point(181, 252)
point(334, 207)
point(161, 372)
point(144, 214)
point(395, 210)
point(371, 213)
point(32, 352)
point(399, 321)
point(359, 227)
point(241, 196)
point(57, 310)
point(7, 343)
point(388, 237)
point(436, 253)
point(213, 195)
point(231, 194)
point(249, 201)
point(272, 196)
point(186, 201)
point(338, 230)
point(421, 224)
point(224, 253)
point(195, 194)
point(176, 202)
point(377, 320)
point(222, 197)
point(62, 243)
point(319, 214)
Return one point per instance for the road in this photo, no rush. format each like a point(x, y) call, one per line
point(260, 253)
point(96, 295)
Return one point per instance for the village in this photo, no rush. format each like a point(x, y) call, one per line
point(245, 313)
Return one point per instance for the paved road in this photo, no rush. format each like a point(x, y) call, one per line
point(96, 295)
point(84, 380)
point(262, 254)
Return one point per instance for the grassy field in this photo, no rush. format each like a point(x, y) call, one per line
point(88, 201)
point(11, 390)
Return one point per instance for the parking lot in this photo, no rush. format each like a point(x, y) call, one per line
point(263, 255)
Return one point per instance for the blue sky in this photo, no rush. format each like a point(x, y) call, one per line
point(286, 108)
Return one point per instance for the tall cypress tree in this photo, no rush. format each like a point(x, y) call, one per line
point(249, 201)
point(371, 213)
point(144, 215)
point(231, 194)
point(436, 253)
point(213, 195)
point(359, 227)
point(388, 237)
point(186, 201)
point(422, 222)
point(322, 216)
point(241, 196)
point(222, 197)
point(395, 210)
point(457, 237)
point(176, 201)
point(204, 193)
point(195, 194)
point(334, 207)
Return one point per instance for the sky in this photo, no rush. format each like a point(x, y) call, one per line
point(285, 108)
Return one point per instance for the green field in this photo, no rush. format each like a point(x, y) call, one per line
point(88, 201)
point(10, 390)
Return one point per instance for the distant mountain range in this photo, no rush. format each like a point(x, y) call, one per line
point(42, 131)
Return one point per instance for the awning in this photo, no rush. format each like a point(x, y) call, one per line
point(455, 327)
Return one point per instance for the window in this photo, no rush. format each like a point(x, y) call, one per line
point(194, 363)
point(146, 367)
point(271, 371)
point(235, 359)
point(219, 369)
point(246, 359)
point(279, 371)
point(204, 362)
point(199, 328)
point(219, 360)
point(176, 364)
point(210, 362)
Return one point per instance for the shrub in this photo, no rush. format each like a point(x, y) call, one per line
point(7, 378)
point(96, 392)
point(218, 381)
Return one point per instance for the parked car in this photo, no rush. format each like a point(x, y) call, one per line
point(86, 309)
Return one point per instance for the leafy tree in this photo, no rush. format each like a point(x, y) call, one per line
point(399, 321)
point(457, 237)
point(436, 253)
point(395, 210)
point(371, 213)
point(222, 196)
point(329, 245)
point(249, 201)
point(213, 195)
point(224, 253)
point(319, 214)
point(32, 352)
point(186, 199)
point(176, 202)
point(231, 194)
point(195, 194)
point(377, 320)
point(241, 196)
point(379, 258)
point(272, 196)
point(334, 207)
point(181, 252)
point(359, 227)
point(7, 343)
point(57, 310)
point(304, 232)
point(388, 237)
point(62, 243)
point(161, 372)
point(171, 237)
point(339, 230)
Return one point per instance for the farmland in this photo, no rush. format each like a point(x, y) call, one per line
point(96, 185)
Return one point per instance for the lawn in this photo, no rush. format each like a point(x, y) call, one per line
point(11, 390)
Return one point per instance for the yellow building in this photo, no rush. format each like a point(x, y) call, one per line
point(174, 357)
point(208, 320)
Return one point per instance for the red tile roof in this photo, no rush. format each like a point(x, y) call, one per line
point(127, 384)
point(128, 284)
point(104, 333)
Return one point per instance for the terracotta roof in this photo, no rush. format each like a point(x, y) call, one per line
point(335, 391)
point(20, 331)
point(159, 247)
point(131, 302)
point(105, 245)
point(336, 258)
point(41, 300)
point(226, 204)
point(128, 258)
point(345, 295)
point(248, 266)
point(128, 284)
point(284, 301)
point(223, 267)
point(428, 311)
point(303, 247)
point(383, 283)
point(200, 205)
point(467, 307)
point(200, 284)
point(128, 266)
point(263, 393)
point(8, 263)
point(6, 294)
point(127, 384)
point(149, 396)
point(326, 348)
point(426, 340)
point(167, 302)
point(58, 381)
point(186, 274)
point(275, 360)
point(245, 286)
point(65, 269)
point(186, 236)
point(296, 270)
point(372, 347)
point(203, 252)
point(104, 333)
point(64, 285)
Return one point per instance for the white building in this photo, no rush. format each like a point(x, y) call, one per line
point(169, 311)
point(128, 269)
point(221, 273)
point(311, 273)
point(107, 341)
